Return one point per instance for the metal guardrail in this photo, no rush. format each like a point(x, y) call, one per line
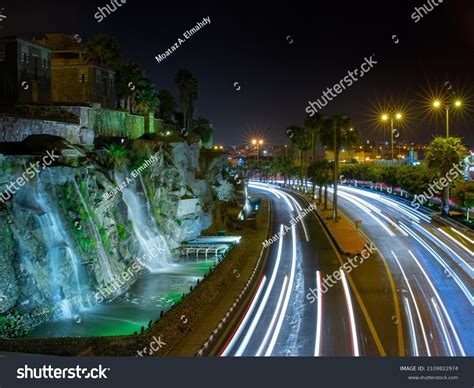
point(237, 303)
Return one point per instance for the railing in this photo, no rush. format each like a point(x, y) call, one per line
point(214, 336)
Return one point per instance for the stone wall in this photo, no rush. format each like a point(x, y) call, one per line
point(14, 129)
point(107, 122)
point(102, 122)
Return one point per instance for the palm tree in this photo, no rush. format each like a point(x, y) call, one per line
point(146, 100)
point(314, 125)
point(337, 131)
point(302, 141)
point(103, 50)
point(285, 164)
point(320, 173)
point(188, 87)
point(204, 128)
point(130, 79)
point(167, 105)
point(442, 154)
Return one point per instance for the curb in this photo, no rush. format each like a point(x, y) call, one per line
point(209, 346)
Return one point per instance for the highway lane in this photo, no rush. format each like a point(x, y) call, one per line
point(433, 268)
point(280, 321)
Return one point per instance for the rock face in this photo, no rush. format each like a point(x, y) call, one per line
point(74, 228)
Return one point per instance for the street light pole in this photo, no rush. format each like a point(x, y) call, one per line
point(334, 201)
point(386, 117)
point(447, 121)
point(437, 104)
point(391, 136)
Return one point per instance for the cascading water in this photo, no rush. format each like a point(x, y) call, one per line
point(59, 247)
point(144, 224)
point(103, 258)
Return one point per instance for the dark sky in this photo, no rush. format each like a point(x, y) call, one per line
point(247, 43)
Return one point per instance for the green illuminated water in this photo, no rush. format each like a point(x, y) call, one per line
point(126, 314)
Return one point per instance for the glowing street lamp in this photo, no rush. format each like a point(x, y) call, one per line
point(257, 143)
point(456, 104)
point(385, 118)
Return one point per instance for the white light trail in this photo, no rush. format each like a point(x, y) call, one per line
point(425, 337)
point(441, 304)
point(369, 213)
point(443, 328)
point(462, 235)
point(245, 320)
point(274, 318)
point(443, 246)
point(355, 342)
point(319, 317)
point(276, 333)
point(407, 210)
point(446, 267)
point(457, 242)
point(263, 304)
point(411, 326)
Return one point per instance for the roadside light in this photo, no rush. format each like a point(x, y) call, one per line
point(437, 103)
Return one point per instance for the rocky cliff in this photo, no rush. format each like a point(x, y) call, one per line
point(76, 226)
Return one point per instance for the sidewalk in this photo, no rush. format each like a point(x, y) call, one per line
point(350, 241)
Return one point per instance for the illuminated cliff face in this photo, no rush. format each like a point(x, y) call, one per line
point(62, 238)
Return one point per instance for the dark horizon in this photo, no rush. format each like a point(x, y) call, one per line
point(282, 58)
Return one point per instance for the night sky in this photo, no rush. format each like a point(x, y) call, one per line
point(249, 43)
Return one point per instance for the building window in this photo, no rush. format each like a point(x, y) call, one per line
point(83, 76)
point(24, 57)
point(2, 52)
point(98, 77)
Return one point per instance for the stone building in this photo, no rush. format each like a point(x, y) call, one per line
point(75, 81)
point(25, 72)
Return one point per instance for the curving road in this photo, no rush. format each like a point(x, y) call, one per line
point(433, 267)
point(413, 298)
point(280, 320)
